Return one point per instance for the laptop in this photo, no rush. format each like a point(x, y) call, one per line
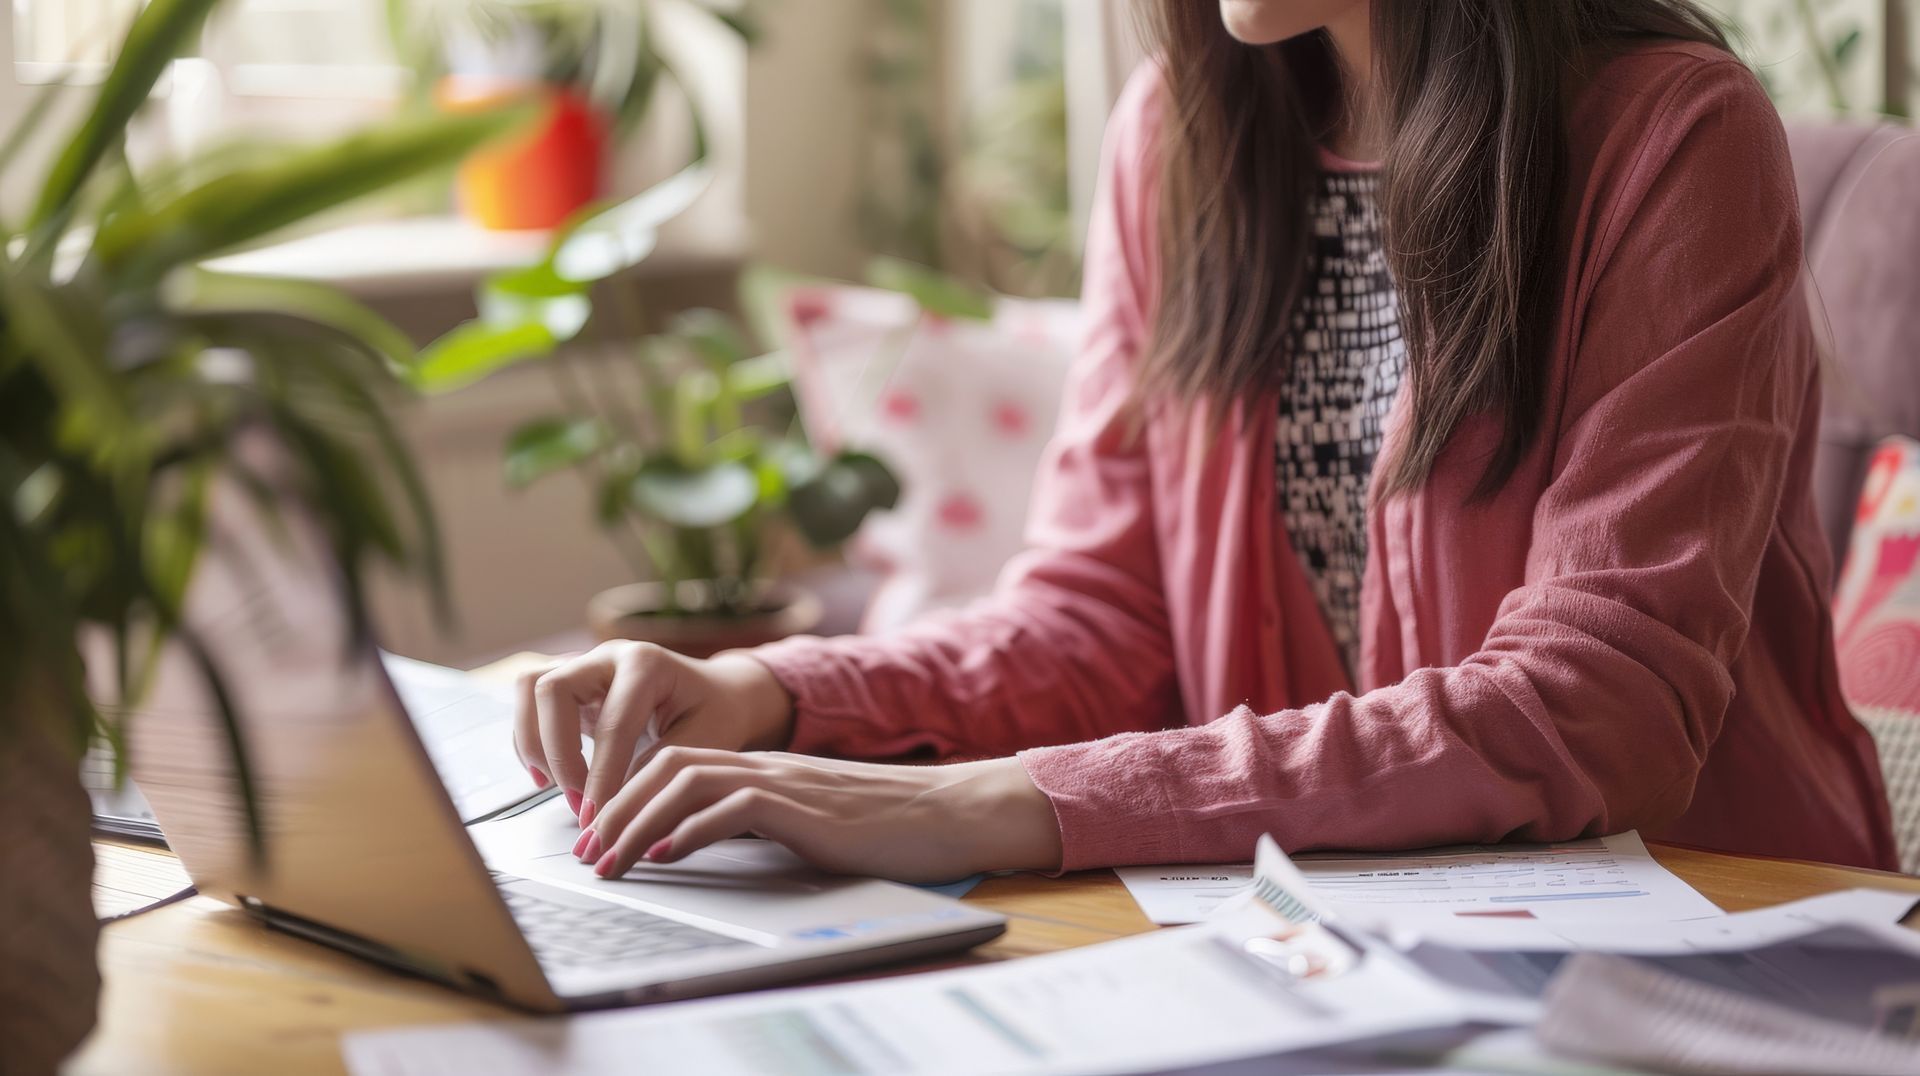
point(362, 847)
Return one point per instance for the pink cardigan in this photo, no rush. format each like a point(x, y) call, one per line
point(1633, 634)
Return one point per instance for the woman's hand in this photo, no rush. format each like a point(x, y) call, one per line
point(909, 823)
point(634, 699)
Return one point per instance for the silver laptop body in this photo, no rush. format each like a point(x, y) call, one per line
point(362, 848)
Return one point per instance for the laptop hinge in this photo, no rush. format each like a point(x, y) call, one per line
point(368, 949)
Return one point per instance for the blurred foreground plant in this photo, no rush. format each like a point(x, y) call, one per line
point(128, 373)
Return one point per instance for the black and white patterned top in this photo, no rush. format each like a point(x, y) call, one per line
point(1347, 359)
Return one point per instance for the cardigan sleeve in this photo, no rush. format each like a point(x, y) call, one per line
point(1592, 702)
point(1074, 643)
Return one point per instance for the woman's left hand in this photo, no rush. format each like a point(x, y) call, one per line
point(909, 823)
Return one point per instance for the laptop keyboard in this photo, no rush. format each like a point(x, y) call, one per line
point(566, 929)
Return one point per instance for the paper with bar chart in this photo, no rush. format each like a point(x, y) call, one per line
point(1601, 879)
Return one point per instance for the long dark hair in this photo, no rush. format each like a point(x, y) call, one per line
point(1474, 112)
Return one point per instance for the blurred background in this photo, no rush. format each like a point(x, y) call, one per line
point(959, 135)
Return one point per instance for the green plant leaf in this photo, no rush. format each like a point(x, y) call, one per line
point(793, 459)
point(712, 336)
point(935, 292)
point(428, 557)
point(615, 238)
point(477, 349)
point(161, 31)
point(58, 340)
point(628, 63)
point(199, 289)
point(239, 753)
point(773, 481)
point(737, 446)
point(399, 18)
point(1843, 48)
point(692, 409)
point(41, 664)
point(613, 497)
point(694, 497)
point(757, 377)
point(536, 294)
point(546, 445)
point(829, 505)
point(173, 539)
point(245, 204)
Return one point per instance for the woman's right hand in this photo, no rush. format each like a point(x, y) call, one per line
point(634, 698)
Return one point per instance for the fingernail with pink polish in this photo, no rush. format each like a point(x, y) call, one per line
point(573, 801)
point(660, 849)
point(580, 845)
point(593, 848)
point(539, 779)
point(604, 868)
point(586, 812)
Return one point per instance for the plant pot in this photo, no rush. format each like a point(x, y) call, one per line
point(539, 178)
point(49, 979)
point(634, 611)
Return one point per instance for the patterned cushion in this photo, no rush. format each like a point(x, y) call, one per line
point(1877, 625)
point(960, 409)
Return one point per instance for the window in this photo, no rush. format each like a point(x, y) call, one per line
point(53, 38)
point(274, 48)
point(306, 70)
point(305, 48)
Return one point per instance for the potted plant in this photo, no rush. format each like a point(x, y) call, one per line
point(594, 64)
point(691, 491)
point(697, 493)
point(127, 374)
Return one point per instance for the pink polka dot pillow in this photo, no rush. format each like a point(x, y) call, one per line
point(1877, 630)
point(1877, 604)
point(960, 409)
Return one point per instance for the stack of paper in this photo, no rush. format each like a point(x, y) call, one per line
point(1627, 1011)
point(119, 810)
point(1823, 985)
point(1293, 976)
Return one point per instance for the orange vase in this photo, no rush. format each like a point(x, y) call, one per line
point(540, 177)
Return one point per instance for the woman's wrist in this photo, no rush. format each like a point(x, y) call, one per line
point(1010, 821)
point(765, 705)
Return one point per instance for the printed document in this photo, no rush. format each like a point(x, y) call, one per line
point(1827, 984)
point(1602, 879)
point(1622, 1010)
point(1189, 894)
point(1833, 957)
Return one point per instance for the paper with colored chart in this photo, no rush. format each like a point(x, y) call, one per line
point(1602, 879)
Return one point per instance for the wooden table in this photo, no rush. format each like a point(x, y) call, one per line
point(200, 988)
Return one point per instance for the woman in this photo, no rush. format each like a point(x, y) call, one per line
point(1462, 498)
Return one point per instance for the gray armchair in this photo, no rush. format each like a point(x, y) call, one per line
point(1860, 208)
